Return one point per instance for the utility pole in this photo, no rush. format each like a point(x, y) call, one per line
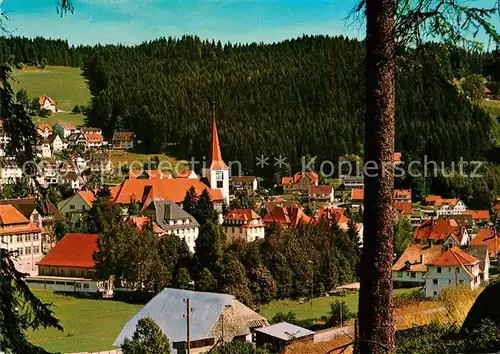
point(188, 325)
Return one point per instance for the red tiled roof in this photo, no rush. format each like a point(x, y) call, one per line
point(357, 194)
point(167, 189)
point(87, 196)
point(217, 161)
point(123, 136)
point(431, 199)
point(287, 180)
point(141, 221)
point(497, 207)
point(451, 202)
point(42, 100)
point(454, 257)
point(332, 214)
point(241, 214)
point(402, 194)
point(486, 90)
point(10, 215)
point(320, 190)
point(436, 230)
point(44, 126)
point(74, 250)
point(153, 174)
point(93, 137)
point(487, 237)
point(184, 174)
point(412, 255)
point(404, 207)
point(478, 214)
point(313, 176)
point(291, 216)
point(396, 157)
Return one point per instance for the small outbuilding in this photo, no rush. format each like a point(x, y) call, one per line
point(281, 334)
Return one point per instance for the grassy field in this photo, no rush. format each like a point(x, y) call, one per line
point(137, 160)
point(321, 305)
point(89, 325)
point(66, 85)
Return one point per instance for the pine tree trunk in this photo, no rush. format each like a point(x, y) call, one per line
point(376, 320)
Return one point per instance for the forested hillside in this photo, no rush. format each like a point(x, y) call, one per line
point(293, 98)
point(275, 99)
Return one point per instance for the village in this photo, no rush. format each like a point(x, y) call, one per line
point(451, 245)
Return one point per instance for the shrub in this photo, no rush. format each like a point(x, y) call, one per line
point(19, 65)
point(76, 109)
point(406, 299)
point(347, 314)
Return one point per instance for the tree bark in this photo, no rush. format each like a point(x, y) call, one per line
point(376, 320)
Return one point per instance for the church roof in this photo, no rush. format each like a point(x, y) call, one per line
point(217, 161)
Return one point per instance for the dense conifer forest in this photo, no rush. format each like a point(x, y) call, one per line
point(294, 98)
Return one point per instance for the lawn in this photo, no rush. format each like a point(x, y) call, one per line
point(320, 307)
point(136, 161)
point(64, 84)
point(89, 325)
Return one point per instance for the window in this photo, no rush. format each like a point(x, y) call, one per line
point(82, 274)
point(27, 237)
point(11, 238)
point(435, 293)
point(413, 275)
point(62, 272)
point(72, 272)
point(457, 269)
point(52, 272)
point(439, 269)
point(78, 285)
point(83, 207)
point(233, 230)
point(35, 237)
point(449, 269)
point(72, 207)
point(85, 285)
point(399, 274)
point(435, 281)
point(449, 281)
point(19, 238)
point(461, 281)
point(28, 250)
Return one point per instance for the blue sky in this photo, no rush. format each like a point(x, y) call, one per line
point(134, 21)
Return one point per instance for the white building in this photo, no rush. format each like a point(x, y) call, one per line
point(411, 266)
point(449, 207)
point(4, 139)
point(47, 103)
point(451, 268)
point(44, 130)
point(172, 219)
point(64, 129)
point(43, 147)
point(56, 143)
point(10, 172)
point(248, 183)
point(71, 178)
point(218, 172)
point(75, 206)
point(243, 224)
point(321, 193)
point(19, 234)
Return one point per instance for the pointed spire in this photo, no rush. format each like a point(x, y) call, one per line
point(217, 162)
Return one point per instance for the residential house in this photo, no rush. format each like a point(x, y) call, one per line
point(56, 142)
point(479, 216)
point(335, 214)
point(71, 178)
point(268, 205)
point(145, 191)
point(100, 162)
point(248, 183)
point(279, 335)
point(300, 182)
point(123, 140)
point(402, 196)
point(357, 195)
point(442, 231)
point(464, 220)
point(172, 219)
point(64, 129)
point(187, 174)
point(481, 253)
point(432, 199)
point(17, 233)
point(411, 266)
point(321, 193)
point(77, 205)
point(452, 267)
point(215, 318)
point(91, 130)
point(48, 173)
point(93, 141)
point(42, 213)
point(243, 224)
point(79, 162)
point(350, 182)
point(43, 147)
point(77, 139)
point(44, 130)
point(10, 172)
point(449, 207)
point(149, 174)
point(286, 218)
point(47, 103)
point(489, 238)
point(72, 257)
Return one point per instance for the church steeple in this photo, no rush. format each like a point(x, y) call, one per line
point(217, 161)
point(218, 173)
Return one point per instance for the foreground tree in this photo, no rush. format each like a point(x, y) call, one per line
point(148, 338)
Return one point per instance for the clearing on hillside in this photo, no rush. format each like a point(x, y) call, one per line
point(64, 84)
